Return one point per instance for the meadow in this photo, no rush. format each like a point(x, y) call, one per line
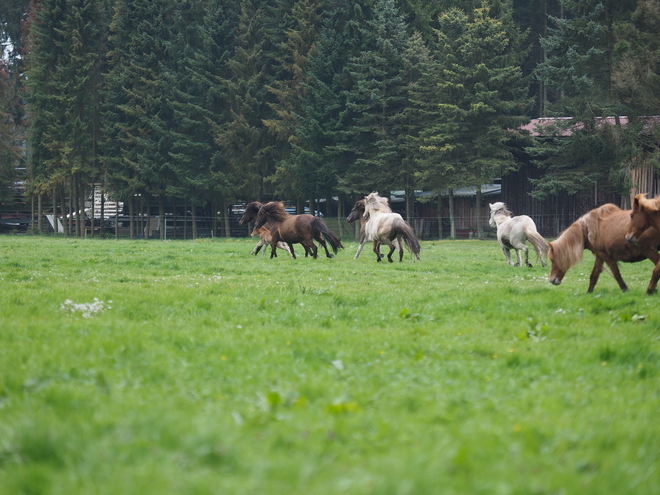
point(191, 367)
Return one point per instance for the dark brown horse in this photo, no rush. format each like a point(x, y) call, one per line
point(645, 215)
point(301, 229)
point(602, 231)
point(250, 215)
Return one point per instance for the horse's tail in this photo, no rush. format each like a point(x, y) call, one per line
point(405, 231)
point(567, 249)
point(540, 245)
point(329, 235)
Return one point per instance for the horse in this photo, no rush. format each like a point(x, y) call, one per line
point(512, 232)
point(250, 215)
point(383, 226)
point(265, 238)
point(301, 229)
point(645, 215)
point(357, 213)
point(602, 231)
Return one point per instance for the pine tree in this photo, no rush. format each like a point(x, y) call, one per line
point(139, 91)
point(378, 94)
point(481, 94)
point(245, 144)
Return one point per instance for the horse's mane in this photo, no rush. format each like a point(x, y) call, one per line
point(651, 205)
point(502, 209)
point(567, 249)
point(374, 202)
point(274, 210)
point(254, 207)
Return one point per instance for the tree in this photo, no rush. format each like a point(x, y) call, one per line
point(64, 81)
point(481, 94)
point(379, 93)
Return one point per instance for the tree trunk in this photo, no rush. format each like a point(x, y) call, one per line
point(439, 215)
point(131, 216)
point(55, 226)
point(193, 211)
point(452, 215)
point(225, 215)
point(161, 215)
point(40, 212)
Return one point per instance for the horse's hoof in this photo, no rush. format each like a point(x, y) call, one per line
point(650, 292)
point(331, 256)
point(529, 265)
point(390, 260)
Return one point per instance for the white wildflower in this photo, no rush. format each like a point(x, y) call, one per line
point(86, 309)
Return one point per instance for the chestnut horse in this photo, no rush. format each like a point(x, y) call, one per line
point(301, 229)
point(645, 215)
point(357, 213)
point(383, 227)
point(250, 215)
point(602, 231)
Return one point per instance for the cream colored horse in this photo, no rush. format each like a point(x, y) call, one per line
point(383, 227)
point(512, 232)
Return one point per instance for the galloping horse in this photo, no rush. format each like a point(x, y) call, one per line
point(602, 231)
point(301, 229)
point(357, 213)
point(383, 227)
point(645, 215)
point(512, 232)
point(250, 215)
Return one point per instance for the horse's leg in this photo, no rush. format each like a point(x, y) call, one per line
point(614, 266)
point(274, 241)
point(360, 247)
point(525, 249)
point(284, 246)
point(507, 255)
point(389, 244)
point(376, 249)
point(398, 242)
point(313, 250)
point(319, 237)
point(655, 275)
point(257, 248)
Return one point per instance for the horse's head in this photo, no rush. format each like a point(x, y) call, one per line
point(556, 274)
point(357, 212)
point(497, 209)
point(251, 212)
point(639, 218)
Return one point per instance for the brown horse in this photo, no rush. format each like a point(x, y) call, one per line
point(645, 215)
point(301, 229)
point(357, 213)
point(250, 215)
point(264, 238)
point(602, 231)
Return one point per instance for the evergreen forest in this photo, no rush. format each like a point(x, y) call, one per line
point(213, 102)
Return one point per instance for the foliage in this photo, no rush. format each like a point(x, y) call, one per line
point(193, 367)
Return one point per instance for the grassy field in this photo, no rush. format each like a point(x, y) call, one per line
point(191, 367)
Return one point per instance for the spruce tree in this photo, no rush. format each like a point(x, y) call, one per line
point(378, 94)
point(481, 94)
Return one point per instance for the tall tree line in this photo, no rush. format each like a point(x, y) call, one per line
point(212, 101)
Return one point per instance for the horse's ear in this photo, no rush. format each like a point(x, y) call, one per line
point(490, 205)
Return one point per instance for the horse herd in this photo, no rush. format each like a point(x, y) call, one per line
point(610, 233)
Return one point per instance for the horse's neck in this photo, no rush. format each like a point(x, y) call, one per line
point(501, 218)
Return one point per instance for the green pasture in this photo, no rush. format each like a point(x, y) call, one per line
point(191, 367)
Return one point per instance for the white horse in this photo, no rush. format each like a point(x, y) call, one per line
point(512, 232)
point(357, 213)
point(383, 227)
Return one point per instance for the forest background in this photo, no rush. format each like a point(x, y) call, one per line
point(217, 101)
